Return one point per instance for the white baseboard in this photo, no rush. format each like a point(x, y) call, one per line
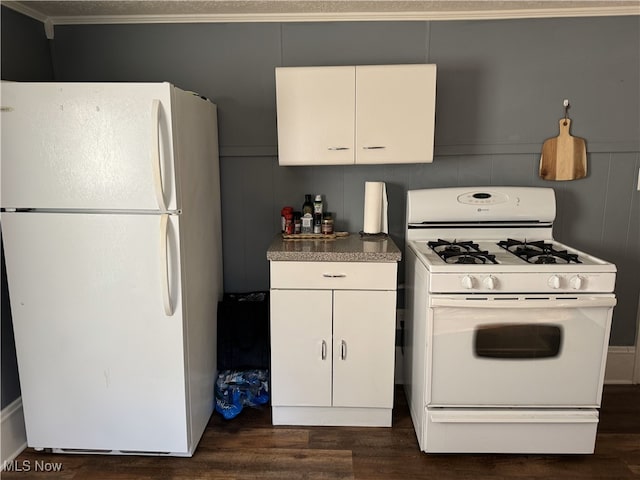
point(620, 365)
point(13, 438)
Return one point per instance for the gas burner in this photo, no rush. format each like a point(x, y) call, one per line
point(545, 259)
point(539, 252)
point(471, 258)
point(453, 246)
point(466, 252)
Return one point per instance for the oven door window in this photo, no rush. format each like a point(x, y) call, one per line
point(514, 341)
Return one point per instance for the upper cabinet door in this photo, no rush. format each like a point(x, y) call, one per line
point(395, 113)
point(88, 146)
point(316, 115)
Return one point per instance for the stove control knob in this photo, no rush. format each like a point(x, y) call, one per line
point(576, 282)
point(490, 282)
point(554, 281)
point(467, 281)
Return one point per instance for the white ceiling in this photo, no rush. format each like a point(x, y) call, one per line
point(152, 11)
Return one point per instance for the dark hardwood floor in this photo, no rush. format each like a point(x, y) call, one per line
point(249, 447)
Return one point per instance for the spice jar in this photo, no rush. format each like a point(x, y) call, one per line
point(283, 219)
point(288, 225)
point(297, 222)
point(327, 223)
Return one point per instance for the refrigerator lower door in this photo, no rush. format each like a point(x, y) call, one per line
point(101, 361)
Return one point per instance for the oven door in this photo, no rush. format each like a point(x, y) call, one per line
point(517, 351)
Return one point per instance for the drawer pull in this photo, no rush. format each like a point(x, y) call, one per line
point(324, 350)
point(333, 149)
point(343, 350)
point(334, 275)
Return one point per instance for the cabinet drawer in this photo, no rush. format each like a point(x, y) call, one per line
point(334, 275)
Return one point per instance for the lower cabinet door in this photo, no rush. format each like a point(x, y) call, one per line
point(363, 348)
point(301, 347)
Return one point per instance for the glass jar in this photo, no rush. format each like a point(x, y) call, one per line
point(327, 224)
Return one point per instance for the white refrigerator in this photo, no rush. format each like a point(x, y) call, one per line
point(112, 234)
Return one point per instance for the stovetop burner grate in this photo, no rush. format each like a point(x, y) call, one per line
point(466, 252)
point(539, 252)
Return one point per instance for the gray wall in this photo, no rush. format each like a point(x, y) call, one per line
point(500, 91)
point(30, 62)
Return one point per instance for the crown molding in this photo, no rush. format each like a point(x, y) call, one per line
point(21, 7)
point(348, 16)
point(371, 16)
point(398, 15)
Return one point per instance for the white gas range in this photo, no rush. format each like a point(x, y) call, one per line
point(506, 330)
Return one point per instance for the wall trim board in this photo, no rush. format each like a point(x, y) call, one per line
point(449, 150)
point(12, 430)
point(424, 14)
point(525, 148)
point(248, 151)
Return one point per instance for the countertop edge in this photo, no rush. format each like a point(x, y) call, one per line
point(348, 249)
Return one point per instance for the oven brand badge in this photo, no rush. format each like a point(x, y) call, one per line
point(483, 209)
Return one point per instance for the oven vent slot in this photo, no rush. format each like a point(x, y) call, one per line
point(538, 298)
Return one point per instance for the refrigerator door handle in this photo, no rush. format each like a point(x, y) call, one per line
point(164, 262)
point(156, 159)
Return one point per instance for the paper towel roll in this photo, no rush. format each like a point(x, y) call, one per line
point(375, 207)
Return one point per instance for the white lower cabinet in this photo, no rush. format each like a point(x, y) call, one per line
point(332, 356)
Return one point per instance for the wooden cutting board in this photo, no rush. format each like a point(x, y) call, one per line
point(563, 157)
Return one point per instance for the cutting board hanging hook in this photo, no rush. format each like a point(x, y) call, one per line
point(566, 110)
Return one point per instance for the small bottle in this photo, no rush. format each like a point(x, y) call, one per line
point(288, 228)
point(283, 219)
point(317, 223)
point(307, 206)
point(327, 224)
point(317, 214)
point(317, 204)
point(297, 222)
point(307, 223)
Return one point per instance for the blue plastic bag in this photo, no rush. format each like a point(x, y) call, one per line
point(235, 389)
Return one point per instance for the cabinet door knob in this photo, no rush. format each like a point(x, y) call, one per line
point(324, 350)
point(343, 350)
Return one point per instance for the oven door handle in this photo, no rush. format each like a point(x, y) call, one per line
point(534, 302)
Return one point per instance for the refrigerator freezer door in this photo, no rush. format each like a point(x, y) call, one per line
point(101, 363)
point(104, 146)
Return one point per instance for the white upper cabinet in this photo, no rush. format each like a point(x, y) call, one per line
point(356, 114)
point(316, 115)
point(395, 113)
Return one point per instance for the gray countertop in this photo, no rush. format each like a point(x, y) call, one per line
point(351, 248)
